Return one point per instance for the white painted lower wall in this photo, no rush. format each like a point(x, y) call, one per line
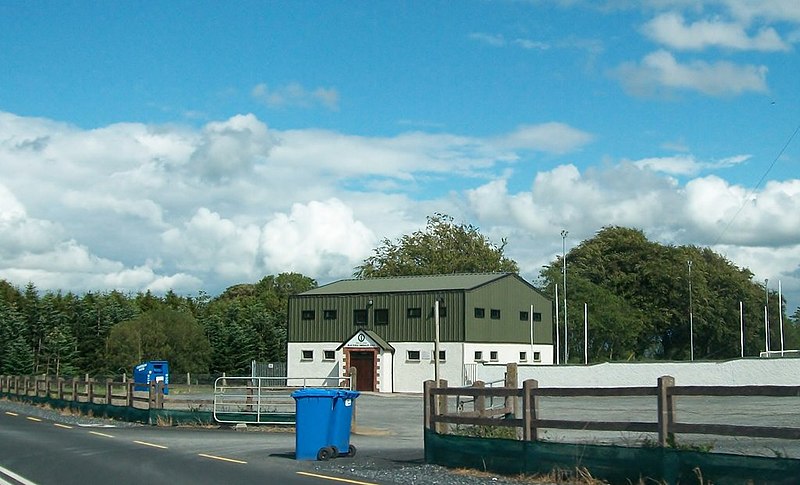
point(401, 371)
point(739, 372)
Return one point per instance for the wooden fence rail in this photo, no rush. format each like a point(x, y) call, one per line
point(77, 390)
point(522, 409)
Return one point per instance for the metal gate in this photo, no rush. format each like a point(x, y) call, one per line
point(264, 400)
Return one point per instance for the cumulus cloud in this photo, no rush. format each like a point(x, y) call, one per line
point(295, 94)
point(319, 237)
point(671, 29)
point(556, 138)
point(660, 71)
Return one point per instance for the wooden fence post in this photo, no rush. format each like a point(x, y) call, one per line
point(530, 410)
point(90, 391)
point(129, 394)
point(511, 382)
point(480, 399)
point(109, 390)
point(427, 401)
point(160, 395)
point(665, 409)
point(441, 408)
point(75, 389)
point(60, 388)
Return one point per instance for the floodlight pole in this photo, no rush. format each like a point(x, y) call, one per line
point(691, 316)
point(564, 269)
point(766, 315)
point(436, 343)
point(558, 337)
point(780, 313)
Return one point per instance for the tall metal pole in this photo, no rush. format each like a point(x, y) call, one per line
point(564, 269)
point(741, 325)
point(766, 315)
point(586, 334)
point(780, 313)
point(691, 316)
point(558, 337)
point(436, 343)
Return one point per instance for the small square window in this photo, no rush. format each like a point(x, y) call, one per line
point(480, 312)
point(382, 316)
point(308, 355)
point(329, 314)
point(329, 355)
point(493, 355)
point(537, 356)
point(478, 356)
point(442, 311)
point(523, 356)
point(442, 355)
point(523, 316)
point(360, 317)
point(495, 314)
point(414, 313)
point(537, 316)
point(412, 355)
point(307, 315)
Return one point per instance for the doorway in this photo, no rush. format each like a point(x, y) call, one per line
point(364, 362)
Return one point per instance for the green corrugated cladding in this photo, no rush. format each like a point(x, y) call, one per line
point(457, 293)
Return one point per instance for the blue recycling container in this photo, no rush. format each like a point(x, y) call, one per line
point(152, 371)
point(339, 437)
point(313, 423)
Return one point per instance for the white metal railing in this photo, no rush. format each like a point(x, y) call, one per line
point(470, 374)
point(779, 353)
point(264, 400)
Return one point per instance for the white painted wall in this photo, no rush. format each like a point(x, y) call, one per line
point(316, 368)
point(410, 376)
point(740, 372)
point(507, 353)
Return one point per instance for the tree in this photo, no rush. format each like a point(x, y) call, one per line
point(161, 334)
point(444, 247)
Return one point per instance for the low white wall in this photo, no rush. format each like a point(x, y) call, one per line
point(740, 372)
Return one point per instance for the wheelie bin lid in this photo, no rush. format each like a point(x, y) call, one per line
point(314, 392)
point(346, 394)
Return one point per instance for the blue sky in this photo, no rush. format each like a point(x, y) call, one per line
point(194, 145)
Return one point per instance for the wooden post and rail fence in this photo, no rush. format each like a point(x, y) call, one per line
point(86, 390)
point(521, 409)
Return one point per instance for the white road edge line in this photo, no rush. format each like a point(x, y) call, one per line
point(13, 476)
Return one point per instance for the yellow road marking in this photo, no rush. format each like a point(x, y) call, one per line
point(150, 444)
point(31, 418)
point(62, 425)
point(100, 434)
point(11, 414)
point(231, 460)
point(335, 479)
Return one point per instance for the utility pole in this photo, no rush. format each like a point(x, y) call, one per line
point(691, 316)
point(766, 315)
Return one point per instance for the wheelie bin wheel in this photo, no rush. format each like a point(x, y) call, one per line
point(324, 454)
point(351, 451)
point(335, 452)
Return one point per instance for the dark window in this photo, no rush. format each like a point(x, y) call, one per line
point(478, 355)
point(414, 313)
point(412, 355)
point(442, 355)
point(330, 354)
point(360, 317)
point(523, 356)
point(329, 314)
point(537, 356)
point(381, 316)
point(495, 314)
point(523, 316)
point(308, 315)
point(493, 355)
point(442, 311)
point(537, 316)
point(308, 355)
point(480, 312)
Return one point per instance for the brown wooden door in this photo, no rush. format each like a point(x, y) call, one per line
point(364, 362)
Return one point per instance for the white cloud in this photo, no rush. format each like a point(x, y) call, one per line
point(320, 238)
point(687, 164)
point(660, 70)
point(556, 138)
point(494, 40)
point(294, 94)
point(671, 30)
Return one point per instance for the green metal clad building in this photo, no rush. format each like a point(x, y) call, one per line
point(386, 328)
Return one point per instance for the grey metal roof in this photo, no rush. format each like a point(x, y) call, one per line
point(459, 281)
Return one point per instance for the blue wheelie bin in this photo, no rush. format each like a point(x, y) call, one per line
point(339, 438)
point(313, 423)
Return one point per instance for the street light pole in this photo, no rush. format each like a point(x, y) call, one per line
point(564, 269)
point(691, 316)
